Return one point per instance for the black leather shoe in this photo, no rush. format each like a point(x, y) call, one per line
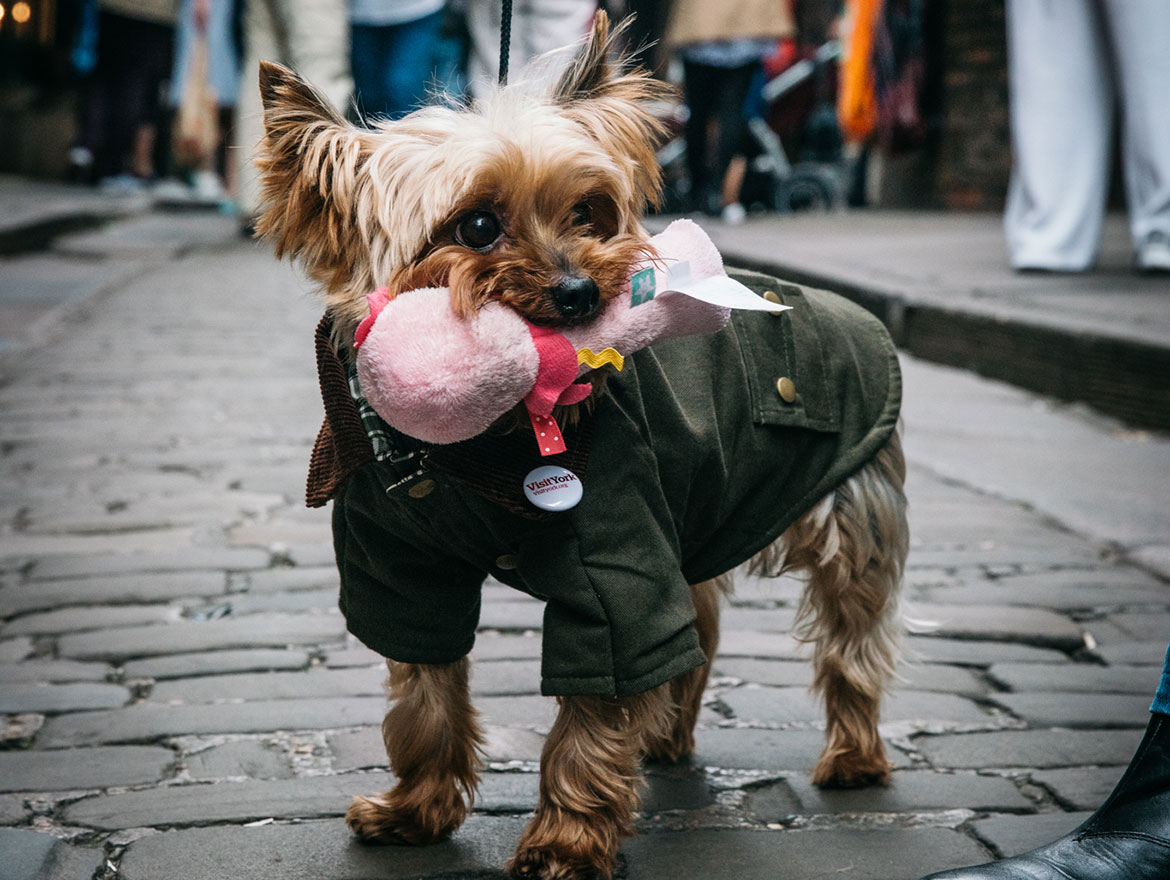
point(1128, 838)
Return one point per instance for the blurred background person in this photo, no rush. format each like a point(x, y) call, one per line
point(1069, 63)
point(119, 119)
point(721, 46)
point(538, 26)
point(393, 54)
point(888, 102)
point(210, 27)
point(452, 50)
point(311, 37)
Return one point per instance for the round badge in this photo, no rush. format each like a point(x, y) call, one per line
point(552, 488)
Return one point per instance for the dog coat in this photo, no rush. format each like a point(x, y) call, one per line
point(699, 454)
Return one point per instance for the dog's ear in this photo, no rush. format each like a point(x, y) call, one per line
point(309, 162)
point(616, 105)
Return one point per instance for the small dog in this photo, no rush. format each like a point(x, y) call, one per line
point(535, 202)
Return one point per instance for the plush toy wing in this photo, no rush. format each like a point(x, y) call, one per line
point(441, 378)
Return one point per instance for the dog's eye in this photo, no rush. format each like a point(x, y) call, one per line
point(478, 230)
point(582, 214)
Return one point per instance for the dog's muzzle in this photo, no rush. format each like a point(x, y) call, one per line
point(575, 296)
point(441, 377)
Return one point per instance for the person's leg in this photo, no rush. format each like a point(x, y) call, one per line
point(735, 83)
point(318, 47)
point(1061, 117)
point(263, 40)
point(368, 59)
point(410, 64)
point(223, 52)
point(699, 83)
point(1161, 703)
point(152, 66)
point(115, 119)
point(538, 26)
point(1140, 31)
point(483, 57)
point(545, 25)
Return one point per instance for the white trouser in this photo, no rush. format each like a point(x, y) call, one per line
point(311, 37)
point(1067, 60)
point(538, 26)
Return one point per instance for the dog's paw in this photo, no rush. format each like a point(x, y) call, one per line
point(852, 770)
point(541, 864)
point(559, 845)
point(390, 819)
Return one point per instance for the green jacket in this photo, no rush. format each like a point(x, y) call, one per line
point(692, 462)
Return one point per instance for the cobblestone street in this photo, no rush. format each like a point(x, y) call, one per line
point(181, 699)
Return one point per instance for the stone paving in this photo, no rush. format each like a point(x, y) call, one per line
point(181, 699)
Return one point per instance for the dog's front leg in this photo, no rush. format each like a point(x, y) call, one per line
point(431, 735)
point(589, 782)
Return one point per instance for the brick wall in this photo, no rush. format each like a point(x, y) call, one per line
point(974, 151)
point(965, 164)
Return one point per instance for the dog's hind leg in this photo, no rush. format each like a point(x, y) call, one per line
point(589, 781)
point(853, 546)
point(432, 736)
point(687, 689)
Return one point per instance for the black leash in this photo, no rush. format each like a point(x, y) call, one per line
point(505, 40)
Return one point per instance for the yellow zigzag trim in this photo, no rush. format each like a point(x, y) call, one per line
point(608, 356)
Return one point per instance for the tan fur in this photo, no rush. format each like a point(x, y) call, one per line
point(567, 174)
point(363, 208)
point(852, 546)
point(432, 736)
point(589, 783)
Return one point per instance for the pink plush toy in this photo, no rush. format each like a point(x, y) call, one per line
point(442, 379)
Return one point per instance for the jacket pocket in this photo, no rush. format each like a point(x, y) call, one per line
point(785, 360)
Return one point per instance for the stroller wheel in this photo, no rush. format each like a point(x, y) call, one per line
point(803, 191)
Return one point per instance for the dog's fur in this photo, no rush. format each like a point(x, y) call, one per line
point(568, 176)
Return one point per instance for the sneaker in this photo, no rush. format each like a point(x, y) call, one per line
point(1153, 253)
point(733, 214)
point(207, 187)
point(170, 192)
point(122, 185)
point(80, 168)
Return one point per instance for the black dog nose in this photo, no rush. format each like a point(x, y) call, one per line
point(575, 295)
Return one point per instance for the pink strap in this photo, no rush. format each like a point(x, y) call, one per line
point(378, 301)
point(557, 370)
point(548, 434)
point(555, 384)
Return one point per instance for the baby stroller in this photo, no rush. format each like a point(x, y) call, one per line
point(800, 109)
point(795, 104)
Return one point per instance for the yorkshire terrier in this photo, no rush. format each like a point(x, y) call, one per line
point(534, 202)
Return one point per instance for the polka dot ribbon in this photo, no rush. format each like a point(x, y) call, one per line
point(555, 384)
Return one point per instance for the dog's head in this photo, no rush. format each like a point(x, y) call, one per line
point(530, 199)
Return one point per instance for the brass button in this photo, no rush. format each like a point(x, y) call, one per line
point(421, 489)
point(786, 388)
point(772, 297)
point(507, 562)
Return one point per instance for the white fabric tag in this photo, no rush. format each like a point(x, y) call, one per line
point(718, 290)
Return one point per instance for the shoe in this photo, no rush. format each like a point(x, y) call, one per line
point(206, 187)
point(122, 185)
point(733, 214)
point(80, 168)
point(1128, 838)
point(1153, 254)
point(171, 192)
